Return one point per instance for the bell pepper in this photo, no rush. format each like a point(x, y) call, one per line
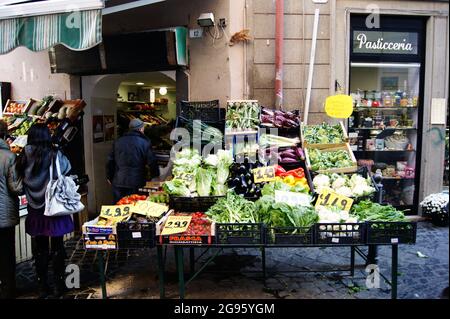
point(279, 170)
point(290, 180)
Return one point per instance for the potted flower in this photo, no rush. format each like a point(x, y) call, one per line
point(436, 207)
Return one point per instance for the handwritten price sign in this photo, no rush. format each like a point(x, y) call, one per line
point(176, 225)
point(264, 174)
point(329, 198)
point(187, 177)
point(292, 198)
point(116, 212)
point(148, 208)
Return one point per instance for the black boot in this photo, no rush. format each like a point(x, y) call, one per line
point(41, 264)
point(59, 274)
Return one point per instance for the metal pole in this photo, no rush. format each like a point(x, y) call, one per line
point(180, 269)
point(372, 255)
point(311, 66)
point(192, 260)
point(279, 38)
point(394, 271)
point(101, 268)
point(162, 292)
point(263, 260)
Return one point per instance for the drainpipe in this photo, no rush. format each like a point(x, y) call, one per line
point(279, 36)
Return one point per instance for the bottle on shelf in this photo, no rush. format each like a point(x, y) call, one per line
point(387, 99)
point(404, 100)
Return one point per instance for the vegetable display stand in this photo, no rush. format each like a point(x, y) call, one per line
point(387, 233)
point(340, 234)
point(240, 234)
point(313, 136)
point(136, 235)
point(208, 111)
point(192, 204)
point(343, 147)
point(289, 236)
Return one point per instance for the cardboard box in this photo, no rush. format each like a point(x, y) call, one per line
point(99, 237)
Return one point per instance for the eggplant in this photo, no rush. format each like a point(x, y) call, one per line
point(235, 182)
point(288, 155)
point(242, 169)
point(268, 112)
point(288, 160)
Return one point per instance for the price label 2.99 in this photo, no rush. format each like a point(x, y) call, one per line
point(176, 225)
point(117, 212)
point(264, 174)
point(329, 198)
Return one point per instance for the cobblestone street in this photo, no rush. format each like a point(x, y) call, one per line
point(423, 273)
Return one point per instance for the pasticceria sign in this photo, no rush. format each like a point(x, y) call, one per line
point(381, 42)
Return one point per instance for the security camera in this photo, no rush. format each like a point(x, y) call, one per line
point(206, 20)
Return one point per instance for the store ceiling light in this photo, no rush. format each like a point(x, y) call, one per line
point(163, 91)
point(140, 83)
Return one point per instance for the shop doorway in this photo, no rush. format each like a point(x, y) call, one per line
point(114, 100)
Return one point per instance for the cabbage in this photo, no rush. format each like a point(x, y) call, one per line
point(204, 179)
point(225, 159)
point(220, 190)
point(176, 187)
point(212, 160)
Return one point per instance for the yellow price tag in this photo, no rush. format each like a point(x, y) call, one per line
point(329, 198)
point(148, 208)
point(264, 174)
point(176, 225)
point(116, 212)
point(339, 106)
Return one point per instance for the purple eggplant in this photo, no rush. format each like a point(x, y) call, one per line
point(290, 123)
point(268, 112)
point(300, 153)
point(288, 160)
point(288, 155)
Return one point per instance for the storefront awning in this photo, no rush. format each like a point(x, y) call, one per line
point(39, 25)
point(78, 30)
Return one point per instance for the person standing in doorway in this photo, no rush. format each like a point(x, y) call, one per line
point(127, 163)
point(47, 232)
point(10, 188)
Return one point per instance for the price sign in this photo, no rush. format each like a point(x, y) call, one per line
point(339, 106)
point(329, 198)
point(176, 225)
point(117, 212)
point(292, 198)
point(264, 174)
point(148, 208)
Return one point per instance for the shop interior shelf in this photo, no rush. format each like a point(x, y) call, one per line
point(379, 129)
point(384, 151)
point(394, 108)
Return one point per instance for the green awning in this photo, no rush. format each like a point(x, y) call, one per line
point(77, 30)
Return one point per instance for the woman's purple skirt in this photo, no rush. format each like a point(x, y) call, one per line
point(37, 224)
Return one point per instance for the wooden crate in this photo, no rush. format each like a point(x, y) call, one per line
point(323, 146)
point(345, 147)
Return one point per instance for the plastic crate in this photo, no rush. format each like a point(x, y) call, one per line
point(289, 236)
point(136, 235)
point(340, 234)
point(240, 234)
point(391, 233)
point(192, 204)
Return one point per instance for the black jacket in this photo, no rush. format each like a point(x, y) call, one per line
point(128, 161)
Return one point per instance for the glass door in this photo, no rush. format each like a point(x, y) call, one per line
point(383, 129)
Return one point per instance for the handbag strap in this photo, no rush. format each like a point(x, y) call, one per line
point(58, 168)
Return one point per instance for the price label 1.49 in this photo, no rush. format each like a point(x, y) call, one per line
point(329, 198)
point(116, 212)
point(176, 225)
point(264, 174)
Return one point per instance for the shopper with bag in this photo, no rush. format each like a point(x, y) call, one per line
point(38, 162)
point(10, 188)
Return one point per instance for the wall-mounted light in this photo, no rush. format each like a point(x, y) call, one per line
point(140, 83)
point(152, 95)
point(206, 20)
point(163, 91)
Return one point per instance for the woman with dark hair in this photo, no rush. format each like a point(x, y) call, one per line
point(10, 187)
point(47, 232)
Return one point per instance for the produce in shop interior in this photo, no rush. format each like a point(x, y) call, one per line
point(354, 186)
point(242, 115)
point(325, 159)
point(323, 134)
point(279, 119)
point(15, 107)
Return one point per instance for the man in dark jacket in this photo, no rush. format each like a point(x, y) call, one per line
point(128, 161)
point(10, 188)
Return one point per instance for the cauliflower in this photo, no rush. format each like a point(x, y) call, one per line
point(345, 191)
point(339, 182)
point(321, 181)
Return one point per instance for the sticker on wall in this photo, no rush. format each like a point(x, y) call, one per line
point(98, 128)
point(339, 106)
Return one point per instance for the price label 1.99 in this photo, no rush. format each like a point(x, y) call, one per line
point(329, 198)
point(176, 225)
point(264, 174)
point(116, 212)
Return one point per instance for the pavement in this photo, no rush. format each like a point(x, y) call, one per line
point(236, 273)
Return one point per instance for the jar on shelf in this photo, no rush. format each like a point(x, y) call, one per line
point(404, 100)
point(397, 98)
point(387, 99)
